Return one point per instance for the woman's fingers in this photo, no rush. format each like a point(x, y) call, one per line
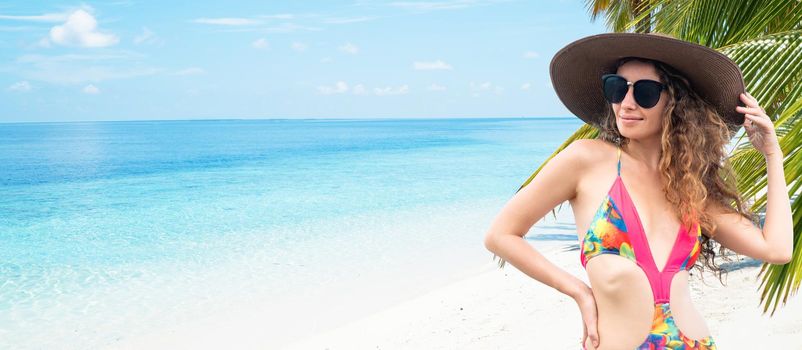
point(749, 101)
point(591, 330)
point(761, 122)
point(587, 306)
point(751, 110)
point(588, 345)
point(754, 114)
point(584, 334)
point(593, 334)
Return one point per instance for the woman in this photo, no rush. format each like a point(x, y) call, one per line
point(648, 195)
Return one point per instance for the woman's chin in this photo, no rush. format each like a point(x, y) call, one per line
point(632, 134)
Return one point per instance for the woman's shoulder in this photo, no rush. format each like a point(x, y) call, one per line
point(589, 151)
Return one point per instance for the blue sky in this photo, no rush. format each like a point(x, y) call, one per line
point(138, 60)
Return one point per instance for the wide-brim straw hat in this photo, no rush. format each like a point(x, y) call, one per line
point(577, 68)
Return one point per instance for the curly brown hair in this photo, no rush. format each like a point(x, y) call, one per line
point(693, 164)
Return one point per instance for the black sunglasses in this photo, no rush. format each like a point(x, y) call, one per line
point(646, 92)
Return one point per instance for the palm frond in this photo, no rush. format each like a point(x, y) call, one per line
point(717, 23)
point(619, 15)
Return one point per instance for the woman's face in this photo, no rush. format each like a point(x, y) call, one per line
point(634, 121)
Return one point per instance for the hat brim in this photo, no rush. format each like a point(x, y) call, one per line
point(577, 68)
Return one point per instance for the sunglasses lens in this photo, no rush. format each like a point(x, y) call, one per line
point(615, 88)
point(647, 93)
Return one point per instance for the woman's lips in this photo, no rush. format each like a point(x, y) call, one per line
point(630, 120)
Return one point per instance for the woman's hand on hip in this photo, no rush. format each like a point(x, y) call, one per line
point(587, 306)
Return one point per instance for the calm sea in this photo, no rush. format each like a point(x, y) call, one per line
point(114, 230)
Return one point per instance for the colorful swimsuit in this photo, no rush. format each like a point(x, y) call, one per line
point(617, 229)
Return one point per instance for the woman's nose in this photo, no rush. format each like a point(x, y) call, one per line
point(629, 99)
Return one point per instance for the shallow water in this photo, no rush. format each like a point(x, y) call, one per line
point(110, 230)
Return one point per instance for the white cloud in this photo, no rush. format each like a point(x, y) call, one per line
point(526, 86)
point(48, 17)
point(386, 91)
point(299, 46)
point(531, 55)
point(91, 90)
point(147, 37)
point(349, 48)
point(227, 21)
point(190, 71)
point(20, 86)
point(340, 87)
point(260, 43)
point(359, 89)
point(436, 65)
point(435, 87)
point(326, 60)
point(80, 29)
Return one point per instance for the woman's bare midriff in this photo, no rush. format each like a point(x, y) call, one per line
point(625, 303)
point(624, 298)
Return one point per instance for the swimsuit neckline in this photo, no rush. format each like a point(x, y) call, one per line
point(648, 249)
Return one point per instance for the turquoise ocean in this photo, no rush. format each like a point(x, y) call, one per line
point(114, 230)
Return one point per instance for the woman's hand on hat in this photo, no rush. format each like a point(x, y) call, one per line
point(759, 127)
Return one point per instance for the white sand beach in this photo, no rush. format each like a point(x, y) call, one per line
point(494, 308)
point(505, 309)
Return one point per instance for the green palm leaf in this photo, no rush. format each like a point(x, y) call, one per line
point(621, 16)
